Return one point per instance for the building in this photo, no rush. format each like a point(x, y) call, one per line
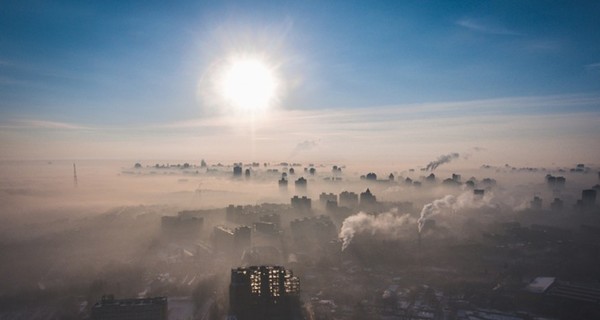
point(430, 178)
point(301, 184)
point(301, 203)
point(325, 197)
point(320, 229)
point(237, 171)
point(181, 225)
point(536, 203)
point(110, 308)
point(234, 213)
point(348, 199)
point(456, 177)
point(588, 198)
point(231, 240)
point(557, 204)
point(450, 182)
point(367, 198)
point(266, 227)
point(263, 292)
point(371, 176)
point(331, 206)
point(478, 193)
point(283, 183)
point(555, 182)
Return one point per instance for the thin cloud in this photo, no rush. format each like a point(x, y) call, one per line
point(593, 66)
point(41, 124)
point(304, 146)
point(478, 26)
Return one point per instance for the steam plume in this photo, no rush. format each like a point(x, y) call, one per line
point(466, 200)
point(447, 203)
point(387, 224)
point(441, 160)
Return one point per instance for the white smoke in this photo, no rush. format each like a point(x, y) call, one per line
point(387, 224)
point(467, 200)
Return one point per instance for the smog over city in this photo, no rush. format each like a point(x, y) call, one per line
point(299, 160)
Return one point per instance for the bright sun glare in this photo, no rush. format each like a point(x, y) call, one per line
point(248, 85)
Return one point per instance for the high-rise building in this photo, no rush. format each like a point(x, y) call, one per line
point(301, 203)
point(231, 240)
point(536, 203)
point(324, 197)
point(557, 204)
point(588, 198)
point(283, 183)
point(367, 198)
point(478, 193)
point(181, 225)
point(263, 292)
point(237, 171)
point(348, 199)
point(301, 184)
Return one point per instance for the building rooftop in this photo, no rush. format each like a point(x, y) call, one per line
point(540, 284)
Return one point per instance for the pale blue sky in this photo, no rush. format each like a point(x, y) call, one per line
point(116, 64)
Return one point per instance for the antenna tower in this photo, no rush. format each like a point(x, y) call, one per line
point(74, 175)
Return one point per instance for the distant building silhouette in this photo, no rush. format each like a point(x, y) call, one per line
point(371, 176)
point(263, 292)
point(555, 182)
point(348, 199)
point(488, 182)
point(184, 224)
point(237, 171)
point(367, 198)
point(301, 184)
point(325, 197)
point(301, 203)
point(110, 308)
point(450, 182)
point(283, 183)
point(266, 227)
point(536, 203)
point(430, 178)
point(557, 205)
point(478, 193)
point(318, 229)
point(456, 177)
point(588, 198)
point(231, 240)
point(391, 177)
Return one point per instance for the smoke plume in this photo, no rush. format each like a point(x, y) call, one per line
point(387, 224)
point(451, 204)
point(445, 204)
point(441, 160)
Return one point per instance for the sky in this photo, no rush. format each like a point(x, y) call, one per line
point(399, 82)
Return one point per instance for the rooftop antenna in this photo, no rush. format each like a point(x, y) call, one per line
point(74, 175)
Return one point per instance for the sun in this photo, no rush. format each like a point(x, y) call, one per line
point(248, 85)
